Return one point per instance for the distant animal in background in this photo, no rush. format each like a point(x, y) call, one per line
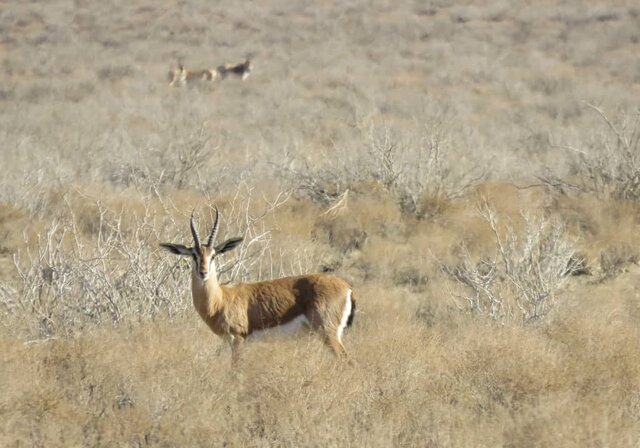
point(183, 76)
point(242, 70)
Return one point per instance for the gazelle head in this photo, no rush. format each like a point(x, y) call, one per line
point(203, 254)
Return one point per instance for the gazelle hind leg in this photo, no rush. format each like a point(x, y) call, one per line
point(330, 334)
point(335, 344)
point(335, 340)
point(346, 315)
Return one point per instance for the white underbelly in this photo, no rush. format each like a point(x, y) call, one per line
point(292, 327)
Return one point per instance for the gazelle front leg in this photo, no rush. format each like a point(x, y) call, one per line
point(235, 342)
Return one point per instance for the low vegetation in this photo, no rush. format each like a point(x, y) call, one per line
point(471, 169)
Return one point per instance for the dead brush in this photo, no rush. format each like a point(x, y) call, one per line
point(182, 158)
point(616, 259)
point(68, 281)
point(520, 279)
point(606, 162)
point(339, 207)
point(419, 170)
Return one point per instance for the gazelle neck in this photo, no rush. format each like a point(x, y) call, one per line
point(207, 294)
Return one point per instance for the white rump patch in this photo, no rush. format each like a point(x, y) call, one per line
point(345, 315)
point(290, 328)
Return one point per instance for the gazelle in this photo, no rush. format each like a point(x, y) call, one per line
point(324, 302)
point(182, 76)
point(242, 70)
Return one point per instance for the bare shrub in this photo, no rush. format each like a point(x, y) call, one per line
point(615, 260)
point(415, 167)
point(255, 258)
point(179, 158)
point(187, 156)
point(607, 162)
point(520, 279)
point(68, 282)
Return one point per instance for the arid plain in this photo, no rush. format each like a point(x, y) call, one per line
point(473, 169)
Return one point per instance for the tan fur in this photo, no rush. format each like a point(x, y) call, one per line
point(234, 312)
point(182, 76)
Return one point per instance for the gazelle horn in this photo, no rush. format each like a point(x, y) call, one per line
point(214, 229)
point(194, 231)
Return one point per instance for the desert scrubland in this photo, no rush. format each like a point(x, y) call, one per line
point(472, 168)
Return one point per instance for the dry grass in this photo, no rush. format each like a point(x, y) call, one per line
point(470, 384)
point(362, 145)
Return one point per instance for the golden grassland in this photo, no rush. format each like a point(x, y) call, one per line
point(470, 169)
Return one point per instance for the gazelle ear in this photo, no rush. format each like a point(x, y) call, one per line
point(176, 249)
point(228, 245)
